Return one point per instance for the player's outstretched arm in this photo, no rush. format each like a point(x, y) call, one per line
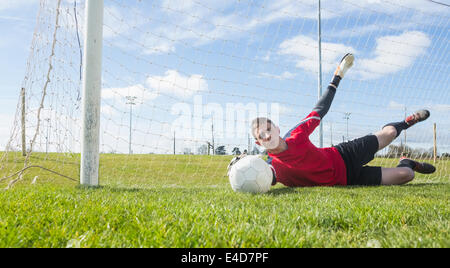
point(324, 103)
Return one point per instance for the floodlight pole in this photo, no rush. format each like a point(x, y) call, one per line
point(131, 100)
point(48, 135)
point(347, 117)
point(174, 143)
point(319, 33)
point(248, 143)
point(434, 143)
point(23, 117)
point(92, 82)
point(212, 137)
point(331, 132)
point(405, 129)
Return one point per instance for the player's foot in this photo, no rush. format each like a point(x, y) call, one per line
point(418, 116)
point(345, 65)
point(423, 168)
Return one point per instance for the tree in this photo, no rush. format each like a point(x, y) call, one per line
point(202, 150)
point(395, 151)
point(221, 150)
point(236, 151)
point(255, 151)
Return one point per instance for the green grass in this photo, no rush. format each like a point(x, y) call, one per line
point(186, 201)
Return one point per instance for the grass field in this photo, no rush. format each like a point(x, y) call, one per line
point(186, 201)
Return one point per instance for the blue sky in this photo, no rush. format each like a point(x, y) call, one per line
point(17, 30)
point(249, 52)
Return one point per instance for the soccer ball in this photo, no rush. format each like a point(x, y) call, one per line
point(251, 174)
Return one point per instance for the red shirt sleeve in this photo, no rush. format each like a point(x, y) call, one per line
point(306, 126)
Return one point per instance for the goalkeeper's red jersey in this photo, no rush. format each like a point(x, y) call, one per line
point(303, 164)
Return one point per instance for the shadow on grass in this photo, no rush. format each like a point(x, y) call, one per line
point(425, 184)
point(290, 190)
point(282, 191)
point(160, 189)
point(279, 191)
point(114, 189)
point(49, 159)
point(315, 189)
point(85, 187)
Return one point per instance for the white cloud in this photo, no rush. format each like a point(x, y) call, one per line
point(286, 110)
point(197, 23)
point(305, 52)
point(114, 22)
point(283, 76)
point(115, 99)
point(441, 107)
point(159, 47)
point(396, 106)
point(171, 83)
point(289, 9)
point(15, 4)
point(213, 20)
point(394, 53)
point(15, 18)
point(389, 7)
point(111, 21)
point(108, 109)
point(436, 107)
point(140, 92)
point(176, 84)
point(120, 21)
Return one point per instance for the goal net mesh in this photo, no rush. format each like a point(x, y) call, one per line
point(182, 81)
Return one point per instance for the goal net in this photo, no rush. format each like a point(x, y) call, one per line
point(182, 81)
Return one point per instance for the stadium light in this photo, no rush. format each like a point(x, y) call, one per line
point(347, 117)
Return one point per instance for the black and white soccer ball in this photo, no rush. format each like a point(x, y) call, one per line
point(250, 174)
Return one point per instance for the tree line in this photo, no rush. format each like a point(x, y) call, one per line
point(397, 151)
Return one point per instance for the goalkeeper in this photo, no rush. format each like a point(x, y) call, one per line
point(295, 161)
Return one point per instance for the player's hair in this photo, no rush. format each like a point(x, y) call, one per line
point(257, 122)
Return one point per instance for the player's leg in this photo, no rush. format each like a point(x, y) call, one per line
point(375, 176)
point(359, 152)
point(404, 172)
point(345, 64)
point(391, 131)
point(396, 176)
point(386, 136)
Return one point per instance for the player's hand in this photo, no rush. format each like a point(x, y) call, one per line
point(234, 161)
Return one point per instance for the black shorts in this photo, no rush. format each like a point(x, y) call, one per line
point(356, 154)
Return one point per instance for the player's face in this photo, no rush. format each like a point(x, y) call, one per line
point(268, 136)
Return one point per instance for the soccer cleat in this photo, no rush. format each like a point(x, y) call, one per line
point(345, 65)
point(418, 116)
point(423, 168)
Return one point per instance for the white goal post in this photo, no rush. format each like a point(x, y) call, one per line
point(92, 84)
